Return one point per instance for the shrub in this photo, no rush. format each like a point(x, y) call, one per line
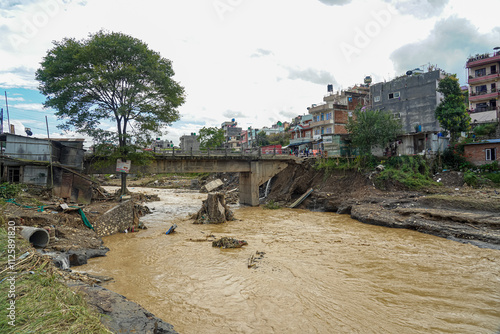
point(9, 190)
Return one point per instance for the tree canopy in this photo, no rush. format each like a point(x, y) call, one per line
point(211, 137)
point(451, 111)
point(371, 128)
point(110, 77)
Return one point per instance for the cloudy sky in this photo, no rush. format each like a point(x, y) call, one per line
point(253, 60)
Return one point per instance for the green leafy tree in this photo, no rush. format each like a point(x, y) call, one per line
point(282, 138)
point(111, 77)
point(451, 111)
point(370, 128)
point(261, 139)
point(211, 137)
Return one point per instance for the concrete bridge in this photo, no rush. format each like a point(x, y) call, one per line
point(254, 169)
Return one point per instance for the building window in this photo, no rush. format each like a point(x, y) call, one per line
point(493, 87)
point(376, 99)
point(394, 95)
point(493, 69)
point(397, 115)
point(491, 154)
point(322, 130)
point(328, 130)
point(481, 89)
point(481, 72)
point(14, 174)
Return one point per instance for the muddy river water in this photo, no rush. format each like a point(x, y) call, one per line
point(321, 273)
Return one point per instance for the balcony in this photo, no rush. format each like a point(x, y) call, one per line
point(484, 116)
point(299, 141)
point(483, 59)
point(484, 78)
point(323, 122)
point(485, 95)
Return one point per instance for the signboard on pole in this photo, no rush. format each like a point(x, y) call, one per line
point(123, 166)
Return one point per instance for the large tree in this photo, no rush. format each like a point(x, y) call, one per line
point(111, 77)
point(371, 128)
point(211, 137)
point(451, 111)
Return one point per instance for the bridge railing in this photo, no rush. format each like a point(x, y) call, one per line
point(246, 153)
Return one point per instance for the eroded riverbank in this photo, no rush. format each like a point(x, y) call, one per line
point(321, 273)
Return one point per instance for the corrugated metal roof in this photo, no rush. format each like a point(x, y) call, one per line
point(487, 141)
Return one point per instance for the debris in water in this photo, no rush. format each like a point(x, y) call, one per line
point(171, 229)
point(252, 260)
point(226, 242)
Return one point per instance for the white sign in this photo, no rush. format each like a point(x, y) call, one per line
point(123, 166)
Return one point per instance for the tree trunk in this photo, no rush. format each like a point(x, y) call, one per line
point(214, 210)
point(124, 190)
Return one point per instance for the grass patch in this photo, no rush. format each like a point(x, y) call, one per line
point(411, 171)
point(493, 177)
point(271, 205)
point(43, 304)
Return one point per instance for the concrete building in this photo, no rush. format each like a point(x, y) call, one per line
point(53, 163)
point(330, 118)
point(248, 138)
point(188, 143)
point(301, 133)
point(484, 152)
point(232, 135)
point(484, 80)
point(413, 99)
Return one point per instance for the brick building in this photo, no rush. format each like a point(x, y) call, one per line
point(484, 152)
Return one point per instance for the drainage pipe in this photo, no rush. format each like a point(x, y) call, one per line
point(39, 237)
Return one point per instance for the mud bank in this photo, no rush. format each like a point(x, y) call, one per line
point(452, 210)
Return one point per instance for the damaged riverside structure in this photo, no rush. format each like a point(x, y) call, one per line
point(49, 163)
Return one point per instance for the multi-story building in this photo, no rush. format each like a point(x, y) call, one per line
point(189, 143)
point(232, 135)
point(484, 83)
point(413, 99)
point(249, 138)
point(301, 134)
point(330, 118)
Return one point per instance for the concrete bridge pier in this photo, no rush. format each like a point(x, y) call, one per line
point(260, 172)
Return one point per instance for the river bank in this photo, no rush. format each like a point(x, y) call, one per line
point(452, 211)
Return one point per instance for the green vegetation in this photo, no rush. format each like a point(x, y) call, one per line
point(211, 137)
point(282, 139)
point(371, 128)
point(111, 77)
point(451, 111)
point(42, 303)
point(481, 175)
point(271, 205)
point(411, 171)
point(358, 163)
point(9, 190)
point(485, 129)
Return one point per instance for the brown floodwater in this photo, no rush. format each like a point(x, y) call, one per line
point(321, 273)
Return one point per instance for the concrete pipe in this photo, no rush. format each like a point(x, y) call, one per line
point(39, 237)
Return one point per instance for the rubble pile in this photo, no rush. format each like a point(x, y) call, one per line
point(226, 242)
